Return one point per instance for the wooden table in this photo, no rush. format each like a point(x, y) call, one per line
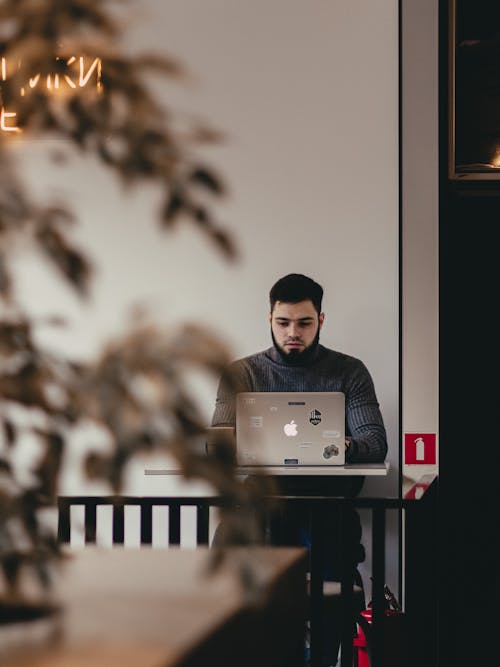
point(158, 608)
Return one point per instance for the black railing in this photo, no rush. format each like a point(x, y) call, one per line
point(145, 504)
point(318, 508)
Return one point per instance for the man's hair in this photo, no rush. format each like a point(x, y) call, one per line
point(294, 288)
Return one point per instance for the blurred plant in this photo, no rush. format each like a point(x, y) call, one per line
point(137, 390)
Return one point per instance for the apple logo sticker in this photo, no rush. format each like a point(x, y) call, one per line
point(290, 429)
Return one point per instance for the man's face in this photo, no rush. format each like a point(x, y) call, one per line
point(295, 326)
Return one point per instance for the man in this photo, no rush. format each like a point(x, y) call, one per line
point(298, 362)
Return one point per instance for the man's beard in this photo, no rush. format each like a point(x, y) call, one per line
point(297, 357)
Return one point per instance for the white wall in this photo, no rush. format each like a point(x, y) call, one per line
point(420, 378)
point(307, 93)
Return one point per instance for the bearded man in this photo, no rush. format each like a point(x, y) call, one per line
point(298, 362)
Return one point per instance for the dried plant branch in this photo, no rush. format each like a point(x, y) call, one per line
point(138, 390)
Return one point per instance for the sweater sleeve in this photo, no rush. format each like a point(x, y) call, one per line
point(364, 423)
point(236, 378)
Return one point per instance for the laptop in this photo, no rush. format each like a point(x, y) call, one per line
point(290, 429)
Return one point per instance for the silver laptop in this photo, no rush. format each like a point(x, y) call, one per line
point(290, 429)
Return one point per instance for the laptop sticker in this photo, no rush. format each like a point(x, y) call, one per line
point(315, 417)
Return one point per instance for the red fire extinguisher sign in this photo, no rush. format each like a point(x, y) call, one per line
point(420, 448)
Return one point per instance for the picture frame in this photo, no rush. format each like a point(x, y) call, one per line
point(474, 91)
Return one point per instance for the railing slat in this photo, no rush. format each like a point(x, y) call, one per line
point(346, 588)
point(316, 592)
point(90, 514)
point(378, 598)
point(118, 523)
point(147, 523)
point(202, 523)
point(63, 520)
point(174, 524)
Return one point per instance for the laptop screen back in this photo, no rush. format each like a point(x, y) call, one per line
point(290, 428)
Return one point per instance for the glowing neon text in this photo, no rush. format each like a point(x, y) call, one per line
point(82, 72)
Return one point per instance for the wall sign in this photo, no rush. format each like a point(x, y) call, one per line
point(420, 448)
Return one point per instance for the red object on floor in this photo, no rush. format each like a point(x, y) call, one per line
point(393, 640)
point(360, 644)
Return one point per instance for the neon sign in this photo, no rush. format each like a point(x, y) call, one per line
point(82, 72)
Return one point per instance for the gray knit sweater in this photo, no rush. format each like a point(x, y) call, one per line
point(326, 370)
